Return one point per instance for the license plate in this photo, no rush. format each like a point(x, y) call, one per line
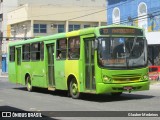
point(127, 87)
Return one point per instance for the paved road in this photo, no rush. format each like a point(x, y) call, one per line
point(17, 98)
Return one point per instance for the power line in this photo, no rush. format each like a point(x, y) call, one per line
point(79, 11)
point(142, 17)
point(60, 13)
point(125, 21)
point(87, 14)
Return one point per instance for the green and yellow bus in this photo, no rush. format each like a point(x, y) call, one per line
point(99, 60)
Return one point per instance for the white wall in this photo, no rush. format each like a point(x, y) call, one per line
point(153, 37)
point(100, 3)
point(75, 13)
point(54, 15)
point(8, 5)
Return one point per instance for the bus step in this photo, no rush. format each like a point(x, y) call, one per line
point(52, 88)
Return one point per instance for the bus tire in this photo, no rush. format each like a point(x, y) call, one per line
point(116, 93)
point(73, 89)
point(28, 84)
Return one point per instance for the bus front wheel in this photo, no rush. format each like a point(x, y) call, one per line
point(73, 89)
point(28, 84)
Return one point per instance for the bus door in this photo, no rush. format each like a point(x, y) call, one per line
point(89, 64)
point(51, 72)
point(18, 65)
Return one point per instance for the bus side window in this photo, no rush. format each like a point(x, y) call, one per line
point(35, 51)
point(12, 54)
point(26, 52)
point(42, 50)
point(61, 48)
point(74, 48)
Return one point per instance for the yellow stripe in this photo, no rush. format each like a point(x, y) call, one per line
point(73, 33)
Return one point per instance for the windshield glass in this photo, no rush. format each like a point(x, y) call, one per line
point(122, 52)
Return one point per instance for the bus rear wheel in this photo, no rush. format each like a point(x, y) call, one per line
point(73, 89)
point(28, 84)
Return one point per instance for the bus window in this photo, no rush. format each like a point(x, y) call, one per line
point(35, 51)
point(26, 52)
point(74, 48)
point(42, 51)
point(61, 48)
point(12, 54)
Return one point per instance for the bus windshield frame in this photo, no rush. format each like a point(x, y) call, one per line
point(122, 52)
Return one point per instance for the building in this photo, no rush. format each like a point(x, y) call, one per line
point(32, 20)
point(35, 18)
point(5, 6)
point(51, 20)
point(142, 13)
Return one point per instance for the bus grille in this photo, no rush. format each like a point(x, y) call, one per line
point(126, 78)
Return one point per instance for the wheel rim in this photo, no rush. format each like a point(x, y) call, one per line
point(74, 89)
point(29, 85)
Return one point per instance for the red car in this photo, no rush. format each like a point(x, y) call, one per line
point(154, 72)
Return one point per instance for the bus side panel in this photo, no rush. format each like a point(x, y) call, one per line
point(38, 76)
point(72, 68)
point(12, 72)
point(25, 67)
point(60, 81)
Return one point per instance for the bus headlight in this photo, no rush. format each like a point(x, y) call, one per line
point(106, 79)
point(145, 77)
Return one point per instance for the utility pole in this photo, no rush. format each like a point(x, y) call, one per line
point(1, 50)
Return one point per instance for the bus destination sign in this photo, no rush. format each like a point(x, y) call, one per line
point(120, 31)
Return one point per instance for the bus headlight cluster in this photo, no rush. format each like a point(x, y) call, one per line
point(106, 79)
point(145, 77)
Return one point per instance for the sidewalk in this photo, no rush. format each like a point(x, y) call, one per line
point(156, 83)
point(2, 74)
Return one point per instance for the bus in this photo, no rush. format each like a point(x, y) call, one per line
point(99, 60)
point(154, 62)
point(154, 72)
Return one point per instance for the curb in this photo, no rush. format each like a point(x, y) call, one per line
point(3, 76)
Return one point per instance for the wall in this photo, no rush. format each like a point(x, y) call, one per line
point(7, 5)
point(53, 15)
point(93, 3)
point(131, 6)
point(30, 12)
point(129, 9)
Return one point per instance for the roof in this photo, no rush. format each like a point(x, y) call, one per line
point(90, 30)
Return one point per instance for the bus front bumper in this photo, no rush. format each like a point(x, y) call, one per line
point(123, 87)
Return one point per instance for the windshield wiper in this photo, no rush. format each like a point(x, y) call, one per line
point(127, 58)
point(134, 43)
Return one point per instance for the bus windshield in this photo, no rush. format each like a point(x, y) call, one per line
point(122, 52)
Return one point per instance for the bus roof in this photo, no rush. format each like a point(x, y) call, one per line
point(84, 31)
